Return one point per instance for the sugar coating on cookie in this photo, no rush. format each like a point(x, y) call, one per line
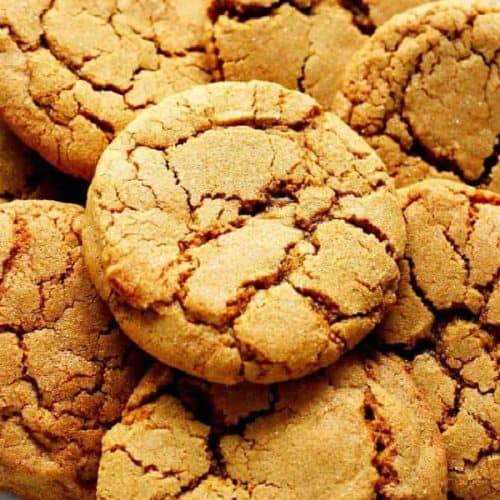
point(357, 430)
point(424, 91)
point(66, 371)
point(240, 233)
point(449, 301)
point(74, 73)
point(303, 45)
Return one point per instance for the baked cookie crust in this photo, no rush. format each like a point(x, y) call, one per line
point(424, 91)
point(303, 45)
point(66, 371)
point(358, 430)
point(239, 233)
point(74, 73)
point(448, 319)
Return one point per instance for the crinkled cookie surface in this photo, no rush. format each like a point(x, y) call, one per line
point(73, 73)
point(448, 315)
point(358, 430)
point(425, 93)
point(66, 371)
point(239, 233)
point(303, 45)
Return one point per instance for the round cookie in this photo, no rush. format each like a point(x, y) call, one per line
point(66, 371)
point(424, 91)
point(239, 233)
point(448, 317)
point(74, 73)
point(358, 430)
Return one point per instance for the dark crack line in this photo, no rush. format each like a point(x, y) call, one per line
point(76, 71)
point(360, 15)
point(248, 12)
point(418, 150)
point(384, 444)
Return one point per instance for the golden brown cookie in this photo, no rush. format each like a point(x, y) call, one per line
point(239, 233)
point(448, 316)
point(425, 93)
point(74, 73)
point(66, 371)
point(22, 175)
point(368, 14)
point(358, 430)
point(301, 44)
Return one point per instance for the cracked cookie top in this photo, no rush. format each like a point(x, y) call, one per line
point(239, 233)
point(448, 317)
point(358, 430)
point(303, 45)
point(74, 73)
point(424, 91)
point(66, 371)
point(21, 174)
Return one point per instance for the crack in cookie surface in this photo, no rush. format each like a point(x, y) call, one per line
point(235, 200)
point(82, 71)
point(422, 88)
point(313, 40)
point(66, 370)
point(448, 319)
point(184, 438)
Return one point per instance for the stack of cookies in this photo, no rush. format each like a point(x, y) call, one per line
point(285, 282)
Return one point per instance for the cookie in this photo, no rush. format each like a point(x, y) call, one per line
point(303, 45)
point(73, 74)
point(369, 14)
point(448, 318)
point(358, 430)
point(424, 92)
point(21, 174)
point(66, 371)
point(239, 233)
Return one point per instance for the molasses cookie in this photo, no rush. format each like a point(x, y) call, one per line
point(303, 45)
point(66, 371)
point(73, 74)
point(425, 93)
point(448, 318)
point(359, 429)
point(239, 233)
